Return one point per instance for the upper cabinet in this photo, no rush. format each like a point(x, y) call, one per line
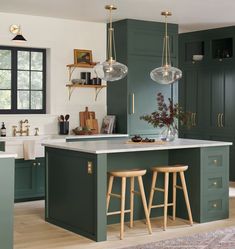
point(139, 46)
point(213, 46)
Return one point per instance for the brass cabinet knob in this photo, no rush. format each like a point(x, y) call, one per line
point(214, 183)
point(215, 161)
point(34, 164)
point(214, 205)
point(39, 164)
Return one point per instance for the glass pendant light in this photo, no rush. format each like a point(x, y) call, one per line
point(166, 74)
point(111, 70)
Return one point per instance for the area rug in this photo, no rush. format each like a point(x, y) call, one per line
point(219, 239)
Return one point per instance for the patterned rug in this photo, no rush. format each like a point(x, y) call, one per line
point(219, 239)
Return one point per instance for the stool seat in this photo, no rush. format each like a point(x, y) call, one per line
point(128, 173)
point(170, 169)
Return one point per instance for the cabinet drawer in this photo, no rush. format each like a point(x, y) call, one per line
point(215, 207)
point(216, 183)
point(215, 159)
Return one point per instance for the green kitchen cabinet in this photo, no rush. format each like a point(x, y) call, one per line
point(29, 179)
point(2, 146)
point(139, 46)
point(207, 88)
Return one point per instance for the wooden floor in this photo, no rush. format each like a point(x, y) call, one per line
point(32, 232)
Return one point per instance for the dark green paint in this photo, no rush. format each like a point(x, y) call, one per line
point(139, 46)
point(29, 179)
point(7, 202)
point(75, 200)
point(2, 146)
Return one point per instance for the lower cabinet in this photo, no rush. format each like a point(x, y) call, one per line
point(29, 179)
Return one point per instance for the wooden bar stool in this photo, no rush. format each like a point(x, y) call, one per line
point(166, 170)
point(123, 175)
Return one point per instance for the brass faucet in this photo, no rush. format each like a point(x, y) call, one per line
point(22, 130)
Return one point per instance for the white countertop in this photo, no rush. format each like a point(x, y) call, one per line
point(97, 136)
point(121, 145)
point(7, 155)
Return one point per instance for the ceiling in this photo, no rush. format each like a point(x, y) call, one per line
point(189, 14)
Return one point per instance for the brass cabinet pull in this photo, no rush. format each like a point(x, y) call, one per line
point(133, 103)
point(195, 119)
point(218, 119)
point(89, 168)
point(221, 120)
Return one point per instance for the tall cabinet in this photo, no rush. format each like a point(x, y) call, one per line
point(139, 46)
point(207, 89)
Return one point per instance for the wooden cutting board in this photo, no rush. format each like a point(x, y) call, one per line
point(92, 124)
point(83, 116)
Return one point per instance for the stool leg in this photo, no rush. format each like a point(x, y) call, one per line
point(174, 194)
point(142, 193)
point(123, 194)
point(166, 183)
point(186, 197)
point(132, 188)
point(154, 179)
point(109, 192)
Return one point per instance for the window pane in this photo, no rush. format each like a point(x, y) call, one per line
point(36, 80)
point(36, 61)
point(5, 99)
point(23, 100)
point(36, 100)
point(23, 80)
point(5, 59)
point(23, 60)
point(5, 79)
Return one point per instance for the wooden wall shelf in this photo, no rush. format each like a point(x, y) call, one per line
point(97, 88)
point(82, 65)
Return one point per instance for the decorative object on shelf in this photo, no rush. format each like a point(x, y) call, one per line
point(111, 70)
point(166, 118)
point(197, 57)
point(87, 77)
point(166, 74)
point(16, 30)
point(138, 139)
point(78, 81)
point(83, 57)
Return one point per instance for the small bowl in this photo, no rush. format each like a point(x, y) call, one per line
point(197, 57)
point(78, 81)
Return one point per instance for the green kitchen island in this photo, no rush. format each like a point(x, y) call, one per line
point(76, 180)
point(7, 173)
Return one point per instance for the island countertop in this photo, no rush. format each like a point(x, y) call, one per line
point(123, 145)
point(7, 155)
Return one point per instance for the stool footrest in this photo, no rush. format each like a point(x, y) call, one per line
point(136, 192)
point(115, 195)
point(118, 212)
point(161, 205)
point(159, 189)
point(179, 187)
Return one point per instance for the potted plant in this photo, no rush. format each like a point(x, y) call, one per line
point(167, 117)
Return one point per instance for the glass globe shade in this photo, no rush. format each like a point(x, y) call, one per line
point(111, 71)
point(166, 75)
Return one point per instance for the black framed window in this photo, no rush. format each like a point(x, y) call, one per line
point(22, 80)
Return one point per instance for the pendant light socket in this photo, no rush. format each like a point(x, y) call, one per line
point(16, 30)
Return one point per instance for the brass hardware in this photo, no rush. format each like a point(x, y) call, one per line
point(214, 183)
point(218, 120)
point(34, 164)
point(36, 131)
point(133, 103)
point(214, 205)
point(39, 164)
point(166, 13)
point(221, 120)
point(22, 130)
point(194, 119)
point(215, 161)
point(89, 168)
point(110, 7)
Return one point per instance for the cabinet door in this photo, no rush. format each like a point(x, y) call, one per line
point(217, 97)
point(25, 179)
point(143, 92)
point(40, 176)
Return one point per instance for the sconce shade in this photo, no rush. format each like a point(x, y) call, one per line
point(19, 38)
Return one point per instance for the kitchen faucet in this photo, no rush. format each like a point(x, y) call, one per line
point(22, 130)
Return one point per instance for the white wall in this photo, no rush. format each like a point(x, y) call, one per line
point(60, 37)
